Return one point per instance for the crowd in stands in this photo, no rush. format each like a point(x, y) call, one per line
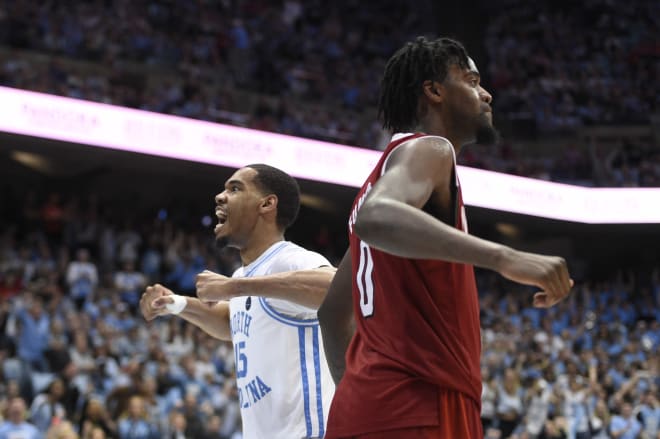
point(75, 354)
point(78, 361)
point(562, 64)
point(294, 50)
point(76, 358)
point(626, 166)
point(588, 368)
point(296, 68)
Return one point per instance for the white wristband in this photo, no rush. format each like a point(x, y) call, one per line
point(177, 306)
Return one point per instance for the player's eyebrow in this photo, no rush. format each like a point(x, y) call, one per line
point(234, 183)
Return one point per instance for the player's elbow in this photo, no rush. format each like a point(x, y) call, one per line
point(371, 222)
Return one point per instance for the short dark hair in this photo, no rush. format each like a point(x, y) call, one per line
point(406, 71)
point(271, 180)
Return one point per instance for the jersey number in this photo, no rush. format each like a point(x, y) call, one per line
point(241, 359)
point(365, 282)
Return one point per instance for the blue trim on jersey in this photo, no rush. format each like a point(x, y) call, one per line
point(303, 373)
point(286, 319)
point(267, 308)
point(266, 258)
point(317, 373)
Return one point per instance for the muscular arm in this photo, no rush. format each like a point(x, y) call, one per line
point(304, 287)
point(210, 318)
point(336, 318)
point(391, 219)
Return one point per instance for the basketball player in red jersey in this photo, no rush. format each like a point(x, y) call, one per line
point(411, 369)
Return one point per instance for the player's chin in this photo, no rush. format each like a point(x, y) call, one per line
point(486, 133)
point(220, 231)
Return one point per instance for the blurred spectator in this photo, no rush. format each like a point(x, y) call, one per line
point(177, 426)
point(212, 428)
point(34, 326)
point(94, 418)
point(81, 355)
point(537, 403)
point(648, 410)
point(82, 278)
point(128, 242)
point(488, 399)
point(509, 403)
point(152, 260)
point(130, 284)
point(600, 420)
point(62, 430)
point(625, 425)
point(15, 424)
point(576, 409)
point(46, 408)
point(194, 415)
point(184, 272)
point(135, 423)
point(96, 433)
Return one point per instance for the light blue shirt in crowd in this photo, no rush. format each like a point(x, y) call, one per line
point(618, 423)
point(24, 430)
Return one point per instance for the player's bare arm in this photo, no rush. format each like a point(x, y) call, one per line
point(304, 287)
point(391, 220)
point(210, 318)
point(336, 318)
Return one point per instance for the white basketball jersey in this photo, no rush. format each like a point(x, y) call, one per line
point(284, 384)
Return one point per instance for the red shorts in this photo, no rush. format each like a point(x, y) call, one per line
point(459, 418)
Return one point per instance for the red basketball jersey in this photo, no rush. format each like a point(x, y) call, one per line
point(417, 333)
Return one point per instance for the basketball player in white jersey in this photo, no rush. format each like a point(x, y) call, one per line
point(284, 384)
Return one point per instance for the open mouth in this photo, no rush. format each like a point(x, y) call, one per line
point(221, 215)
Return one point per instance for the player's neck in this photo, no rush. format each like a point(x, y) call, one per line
point(258, 244)
point(437, 127)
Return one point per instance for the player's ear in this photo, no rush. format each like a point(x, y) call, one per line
point(268, 203)
point(433, 90)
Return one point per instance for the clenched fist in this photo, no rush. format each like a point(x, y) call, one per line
point(154, 301)
point(214, 287)
point(549, 273)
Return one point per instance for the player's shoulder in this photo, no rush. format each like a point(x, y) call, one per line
point(424, 152)
point(295, 257)
point(428, 141)
point(416, 137)
point(292, 249)
point(427, 147)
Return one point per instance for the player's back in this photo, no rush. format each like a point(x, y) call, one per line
point(417, 333)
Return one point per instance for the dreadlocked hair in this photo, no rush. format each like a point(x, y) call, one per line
point(405, 73)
